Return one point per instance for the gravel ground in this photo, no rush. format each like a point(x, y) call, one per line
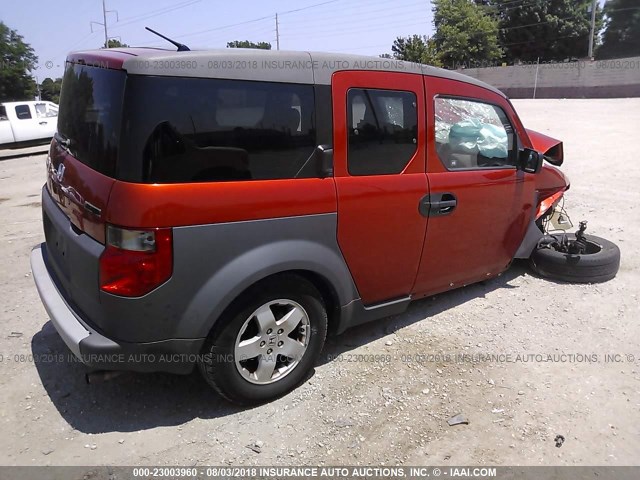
point(391, 411)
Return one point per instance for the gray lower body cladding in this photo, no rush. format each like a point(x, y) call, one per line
point(96, 350)
point(213, 264)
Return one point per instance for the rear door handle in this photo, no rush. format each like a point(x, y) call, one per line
point(43, 123)
point(438, 204)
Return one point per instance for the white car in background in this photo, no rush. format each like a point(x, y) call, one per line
point(27, 123)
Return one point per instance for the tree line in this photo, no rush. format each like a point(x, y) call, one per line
point(467, 33)
point(489, 32)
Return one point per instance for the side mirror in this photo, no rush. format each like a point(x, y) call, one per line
point(529, 160)
point(324, 160)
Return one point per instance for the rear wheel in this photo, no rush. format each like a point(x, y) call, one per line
point(267, 342)
point(600, 261)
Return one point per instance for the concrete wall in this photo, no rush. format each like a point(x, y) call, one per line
point(581, 79)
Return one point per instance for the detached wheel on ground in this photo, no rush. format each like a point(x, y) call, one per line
point(599, 263)
point(267, 342)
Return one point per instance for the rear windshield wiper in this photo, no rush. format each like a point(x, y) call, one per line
point(63, 141)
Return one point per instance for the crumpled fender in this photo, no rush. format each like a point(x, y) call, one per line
point(551, 148)
point(548, 202)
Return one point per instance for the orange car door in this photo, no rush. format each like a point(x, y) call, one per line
point(379, 168)
point(480, 203)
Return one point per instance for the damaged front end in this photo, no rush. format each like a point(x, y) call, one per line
point(551, 183)
point(553, 251)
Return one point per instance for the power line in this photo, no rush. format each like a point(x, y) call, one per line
point(345, 5)
point(558, 19)
point(246, 22)
point(342, 32)
point(155, 13)
point(222, 27)
point(308, 7)
point(265, 28)
point(351, 25)
point(362, 48)
point(69, 49)
point(510, 2)
point(363, 17)
point(527, 41)
point(255, 19)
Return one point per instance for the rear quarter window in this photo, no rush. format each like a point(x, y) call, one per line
point(90, 115)
point(205, 130)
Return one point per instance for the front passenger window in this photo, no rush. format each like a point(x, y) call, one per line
point(473, 135)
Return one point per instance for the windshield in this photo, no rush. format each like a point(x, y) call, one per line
point(90, 113)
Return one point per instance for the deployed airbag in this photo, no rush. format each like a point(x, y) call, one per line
point(473, 136)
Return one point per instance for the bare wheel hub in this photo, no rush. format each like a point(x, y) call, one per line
point(272, 341)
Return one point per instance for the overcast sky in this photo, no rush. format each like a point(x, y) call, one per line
point(369, 27)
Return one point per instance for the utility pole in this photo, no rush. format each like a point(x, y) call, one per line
point(277, 34)
point(104, 19)
point(593, 27)
point(104, 23)
point(535, 85)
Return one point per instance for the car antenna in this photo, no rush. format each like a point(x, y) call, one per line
point(181, 46)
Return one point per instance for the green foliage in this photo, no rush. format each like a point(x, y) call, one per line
point(248, 44)
point(418, 49)
point(113, 43)
point(549, 30)
point(50, 89)
point(17, 60)
point(466, 34)
point(622, 35)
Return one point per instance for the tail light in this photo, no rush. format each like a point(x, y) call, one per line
point(135, 262)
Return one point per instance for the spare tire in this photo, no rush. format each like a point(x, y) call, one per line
point(599, 264)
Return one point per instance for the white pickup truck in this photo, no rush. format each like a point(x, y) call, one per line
point(27, 123)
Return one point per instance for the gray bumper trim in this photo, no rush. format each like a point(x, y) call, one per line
point(65, 321)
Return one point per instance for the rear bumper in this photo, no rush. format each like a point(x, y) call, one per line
point(99, 352)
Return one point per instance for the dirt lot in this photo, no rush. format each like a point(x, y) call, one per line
point(362, 412)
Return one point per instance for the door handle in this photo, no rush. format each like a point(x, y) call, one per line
point(437, 205)
point(43, 123)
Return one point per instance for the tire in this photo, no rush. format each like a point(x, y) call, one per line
point(596, 267)
point(239, 377)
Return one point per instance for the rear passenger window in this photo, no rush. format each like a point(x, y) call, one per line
point(203, 130)
point(473, 135)
point(23, 112)
point(383, 131)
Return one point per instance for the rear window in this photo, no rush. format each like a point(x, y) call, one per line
point(90, 114)
point(202, 130)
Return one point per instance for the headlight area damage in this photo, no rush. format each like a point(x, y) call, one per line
point(570, 257)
